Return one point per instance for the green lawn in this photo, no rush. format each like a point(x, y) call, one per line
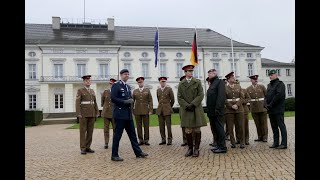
point(175, 120)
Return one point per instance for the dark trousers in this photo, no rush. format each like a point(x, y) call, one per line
point(122, 124)
point(106, 128)
point(277, 121)
point(213, 131)
point(218, 127)
point(145, 120)
point(261, 122)
point(184, 137)
point(86, 131)
point(165, 120)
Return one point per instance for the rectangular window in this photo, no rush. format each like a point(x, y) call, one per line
point(250, 69)
point(278, 72)
point(267, 72)
point(163, 69)
point(32, 101)
point(81, 69)
point(289, 89)
point(58, 70)
point(249, 55)
point(58, 101)
point(215, 55)
point(233, 54)
point(127, 66)
point(145, 69)
point(196, 71)
point(179, 69)
point(216, 66)
point(104, 70)
point(288, 72)
point(234, 69)
point(32, 71)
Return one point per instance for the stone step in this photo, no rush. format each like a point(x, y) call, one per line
point(48, 121)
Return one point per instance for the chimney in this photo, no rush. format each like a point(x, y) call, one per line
point(110, 24)
point(55, 22)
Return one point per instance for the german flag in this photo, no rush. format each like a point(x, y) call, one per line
point(194, 51)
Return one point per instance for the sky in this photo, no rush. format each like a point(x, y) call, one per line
point(266, 23)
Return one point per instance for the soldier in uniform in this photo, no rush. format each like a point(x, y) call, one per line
point(190, 96)
point(165, 98)
point(245, 104)
point(274, 103)
point(87, 111)
point(143, 107)
point(122, 114)
point(184, 138)
point(257, 93)
point(226, 130)
point(234, 110)
point(107, 112)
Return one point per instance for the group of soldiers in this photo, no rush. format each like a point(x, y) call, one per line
point(228, 106)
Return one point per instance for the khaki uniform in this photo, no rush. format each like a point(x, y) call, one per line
point(165, 102)
point(86, 106)
point(234, 117)
point(246, 100)
point(107, 114)
point(259, 113)
point(143, 105)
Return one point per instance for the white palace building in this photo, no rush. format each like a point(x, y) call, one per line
point(58, 54)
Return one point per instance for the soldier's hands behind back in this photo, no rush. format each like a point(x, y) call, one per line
point(190, 107)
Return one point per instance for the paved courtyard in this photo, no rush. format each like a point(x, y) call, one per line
point(52, 152)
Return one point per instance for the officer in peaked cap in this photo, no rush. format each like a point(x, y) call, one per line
point(87, 111)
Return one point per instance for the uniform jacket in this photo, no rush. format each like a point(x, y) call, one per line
point(143, 104)
point(255, 93)
point(233, 93)
point(245, 101)
point(216, 97)
point(106, 104)
point(86, 110)
point(119, 93)
point(165, 101)
point(276, 95)
point(191, 93)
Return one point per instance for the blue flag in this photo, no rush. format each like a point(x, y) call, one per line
point(156, 48)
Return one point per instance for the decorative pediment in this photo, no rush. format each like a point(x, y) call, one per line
point(32, 89)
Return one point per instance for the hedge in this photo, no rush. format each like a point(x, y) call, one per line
point(33, 117)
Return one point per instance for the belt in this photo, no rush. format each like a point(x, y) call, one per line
point(237, 99)
point(257, 99)
point(87, 102)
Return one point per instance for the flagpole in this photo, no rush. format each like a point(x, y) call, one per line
point(195, 28)
point(233, 67)
point(158, 54)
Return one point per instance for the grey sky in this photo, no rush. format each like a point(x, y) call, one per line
point(266, 23)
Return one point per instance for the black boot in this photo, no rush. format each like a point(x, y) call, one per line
point(190, 144)
point(197, 144)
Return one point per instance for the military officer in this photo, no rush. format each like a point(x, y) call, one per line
point(165, 98)
point(190, 96)
point(122, 114)
point(143, 107)
point(226, 130)
point(234, 110)
point(107, 112)
point(257, 93)
point(274, 103)
point(184, 138)
point(245, 104)
point(86, 110)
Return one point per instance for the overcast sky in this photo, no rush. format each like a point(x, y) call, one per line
point(266, 23)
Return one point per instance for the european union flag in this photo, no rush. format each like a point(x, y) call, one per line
point(156, 47)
